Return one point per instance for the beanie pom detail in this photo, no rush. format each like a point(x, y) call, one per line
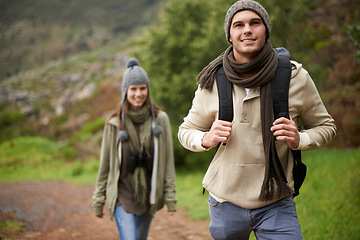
point(132, 62)
point(157, 130)
point(123, 135)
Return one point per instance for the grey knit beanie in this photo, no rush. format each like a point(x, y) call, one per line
point(133, 75)
point(246, 5)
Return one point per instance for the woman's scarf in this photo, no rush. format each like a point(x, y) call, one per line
point(264, 65)
point(139, 142)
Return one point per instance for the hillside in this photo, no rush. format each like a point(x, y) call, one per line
point(35, 32)
point(61, 63)
point(58, 98)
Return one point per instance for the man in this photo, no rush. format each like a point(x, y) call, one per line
point(246, 192)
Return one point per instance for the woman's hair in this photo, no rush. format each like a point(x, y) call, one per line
point(117, 112)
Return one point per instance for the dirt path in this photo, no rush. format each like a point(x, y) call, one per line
point(62, 211)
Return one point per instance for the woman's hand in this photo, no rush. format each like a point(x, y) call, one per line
point(171, 213)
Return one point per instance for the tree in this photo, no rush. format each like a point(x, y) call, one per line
point(188, 34)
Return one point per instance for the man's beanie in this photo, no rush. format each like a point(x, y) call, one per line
point(246, 5)
point(133, 75)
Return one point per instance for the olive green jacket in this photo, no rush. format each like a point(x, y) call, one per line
point(163, 180)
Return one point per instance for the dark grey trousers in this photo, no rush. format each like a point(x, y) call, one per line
point(277, 221)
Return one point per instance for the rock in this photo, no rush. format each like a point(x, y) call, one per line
point(27, 110)
point(71, 78)
point(85, 92)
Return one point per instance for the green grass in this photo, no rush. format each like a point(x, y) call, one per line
point(38, 159)
point(189, 193)
point(328, 205)
point(329, 202)
point(9, 225)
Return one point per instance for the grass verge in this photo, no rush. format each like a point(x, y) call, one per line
point(328, 205)
point(329, 202)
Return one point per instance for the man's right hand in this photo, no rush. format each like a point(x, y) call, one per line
point(219, 132)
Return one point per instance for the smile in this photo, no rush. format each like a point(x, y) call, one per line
point(248, 40)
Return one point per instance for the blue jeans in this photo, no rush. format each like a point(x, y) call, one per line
point(278, 221)
point(130, 226)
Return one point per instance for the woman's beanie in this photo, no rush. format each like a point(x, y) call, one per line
point(133, 75)
point(246, 5)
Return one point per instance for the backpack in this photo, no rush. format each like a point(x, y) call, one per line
point(280, 106)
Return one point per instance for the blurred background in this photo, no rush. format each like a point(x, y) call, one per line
point(61, 65)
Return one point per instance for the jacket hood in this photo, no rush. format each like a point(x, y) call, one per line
point(114, 121)
point(295, 68)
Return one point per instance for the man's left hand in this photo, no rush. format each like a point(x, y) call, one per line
point(286, 130)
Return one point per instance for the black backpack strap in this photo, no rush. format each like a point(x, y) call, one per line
point(224, 87)
point(299, 171)
point(281, 109)
point(280, 92)
point(280, 105)
point(281, 84)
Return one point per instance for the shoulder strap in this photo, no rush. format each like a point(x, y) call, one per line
point(224, 87)
point(280, 92)
point(281, 109)
point(280, 105)
point(281, 84)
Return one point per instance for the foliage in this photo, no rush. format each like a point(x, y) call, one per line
point(354, 33)
point(174, 50)
point(25, 150)
point(9, 225)
point(37, 158)
point(91, 130)
point(12, 125)
point(188, 36)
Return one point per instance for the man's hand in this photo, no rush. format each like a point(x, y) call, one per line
point(219, 132)
point(286, 130)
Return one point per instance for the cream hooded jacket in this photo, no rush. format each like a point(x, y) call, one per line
point(237, 170)
point(163, 187)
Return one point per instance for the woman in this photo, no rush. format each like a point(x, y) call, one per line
point(136, 173)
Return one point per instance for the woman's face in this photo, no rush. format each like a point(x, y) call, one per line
point(137, 95)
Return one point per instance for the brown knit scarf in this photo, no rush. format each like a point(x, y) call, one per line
point(274, 185)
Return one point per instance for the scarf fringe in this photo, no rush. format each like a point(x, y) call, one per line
point(274, 184)
point(138, 184)
point(275, 188)
point(206, 77)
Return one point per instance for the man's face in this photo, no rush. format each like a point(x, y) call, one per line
point(247, 35)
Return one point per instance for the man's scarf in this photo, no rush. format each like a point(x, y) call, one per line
point(264, 65)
